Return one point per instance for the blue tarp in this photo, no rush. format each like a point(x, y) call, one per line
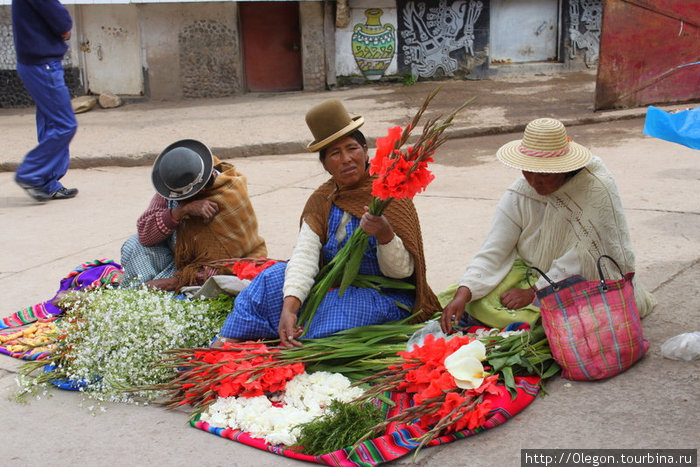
point(680, 127)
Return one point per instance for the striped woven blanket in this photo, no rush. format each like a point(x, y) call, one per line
point(86, 276)
point(399, 442)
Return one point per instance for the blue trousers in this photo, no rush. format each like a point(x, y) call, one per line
point(44, 165)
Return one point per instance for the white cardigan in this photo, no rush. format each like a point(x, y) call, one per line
point(563, 233)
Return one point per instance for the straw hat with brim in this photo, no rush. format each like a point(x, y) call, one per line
point(545, 148)
point(329, 121)
point(182, 169)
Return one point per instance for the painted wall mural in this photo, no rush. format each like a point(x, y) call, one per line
point(585, 18)
point(373, 44)
point(431, 35)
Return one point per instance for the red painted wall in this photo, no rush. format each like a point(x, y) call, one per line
point(648, 53)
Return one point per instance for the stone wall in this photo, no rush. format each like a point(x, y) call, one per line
point(208, 52)
point(192, 50)
point(313, 55)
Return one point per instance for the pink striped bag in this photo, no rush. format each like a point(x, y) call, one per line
point(593, 327)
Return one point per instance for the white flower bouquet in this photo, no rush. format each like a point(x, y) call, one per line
point(109, 340)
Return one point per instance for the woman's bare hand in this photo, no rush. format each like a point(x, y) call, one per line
point(287, 329)
point(203, 208)
point(454, 310)
point(517, 298)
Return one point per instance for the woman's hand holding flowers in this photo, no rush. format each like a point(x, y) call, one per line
point(377, 226)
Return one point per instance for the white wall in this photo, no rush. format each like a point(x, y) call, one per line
point(344, 60)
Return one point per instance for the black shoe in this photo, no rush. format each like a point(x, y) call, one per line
point(35, 192)
point(65, 193)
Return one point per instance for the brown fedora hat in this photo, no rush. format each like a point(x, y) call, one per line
point(329, 121)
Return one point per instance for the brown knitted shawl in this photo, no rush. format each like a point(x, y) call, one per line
point(232, 233)
point(401, 214)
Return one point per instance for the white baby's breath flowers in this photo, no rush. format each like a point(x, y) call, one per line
point(114, 337)
point(306, 396)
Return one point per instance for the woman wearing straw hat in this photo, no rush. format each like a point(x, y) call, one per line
point(269, 306)
point(561, 216)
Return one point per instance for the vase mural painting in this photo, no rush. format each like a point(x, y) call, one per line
point(373, 44)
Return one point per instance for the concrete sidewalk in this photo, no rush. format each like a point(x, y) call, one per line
point(270, 124)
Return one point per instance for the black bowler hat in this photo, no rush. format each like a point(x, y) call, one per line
point(182, 169)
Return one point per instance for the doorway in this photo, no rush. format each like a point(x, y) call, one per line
point(524, 31)
point(111, 46)
point(271, 45)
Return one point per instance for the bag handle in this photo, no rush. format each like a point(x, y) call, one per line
point(600, 270)
point(555, 286)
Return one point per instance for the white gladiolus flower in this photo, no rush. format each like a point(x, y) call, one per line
point(465, 365)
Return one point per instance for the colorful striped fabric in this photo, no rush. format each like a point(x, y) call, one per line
point(86, 276)
point(399, 441)
point(90, 275)
point(29, 353)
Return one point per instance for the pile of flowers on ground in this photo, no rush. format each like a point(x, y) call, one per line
point(245, 370)
point(109, 340)
point(446, 379)
point(278, 419)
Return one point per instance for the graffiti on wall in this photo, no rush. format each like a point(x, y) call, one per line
point(431, 34)
point(373, 44)
point(586, 15)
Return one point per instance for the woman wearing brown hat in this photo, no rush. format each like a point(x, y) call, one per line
point(269, 306)
point(561, 216)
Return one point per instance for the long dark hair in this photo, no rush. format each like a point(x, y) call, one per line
point(356, 135)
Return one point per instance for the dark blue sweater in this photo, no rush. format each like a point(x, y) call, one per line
point(37, 27)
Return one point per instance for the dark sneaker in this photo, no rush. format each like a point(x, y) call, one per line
point(35, 192)
point(65, 193)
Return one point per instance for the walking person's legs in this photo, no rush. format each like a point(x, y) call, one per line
point(42, 167)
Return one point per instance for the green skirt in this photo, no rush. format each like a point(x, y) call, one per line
point(489, 309)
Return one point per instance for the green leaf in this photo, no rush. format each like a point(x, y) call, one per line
point(497, 363)
point(352, 266)
point(552, 370)
point(509, 380)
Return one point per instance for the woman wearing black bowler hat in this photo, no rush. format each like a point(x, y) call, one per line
point(196, 198)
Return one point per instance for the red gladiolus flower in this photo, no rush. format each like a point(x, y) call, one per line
point(241, 370)
point(426, 379)
point(386, 145)
point(248, 269)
